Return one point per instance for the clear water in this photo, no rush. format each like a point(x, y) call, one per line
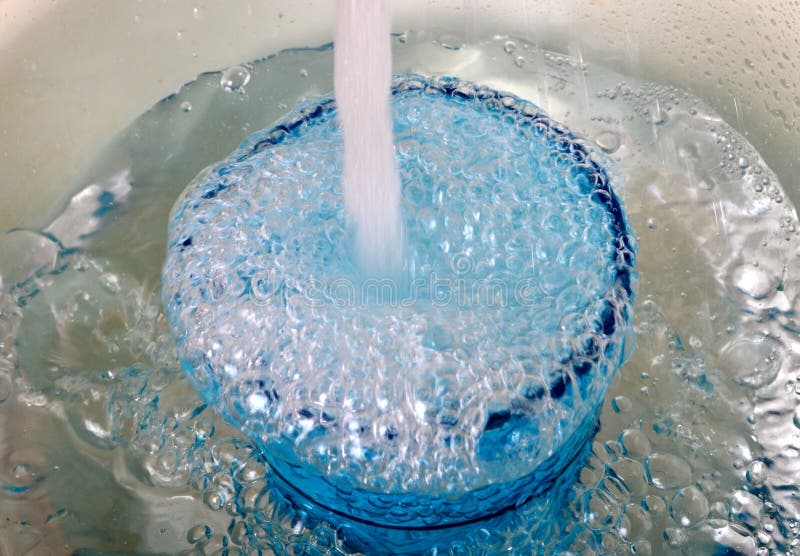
point(698, 443)
point(452, 394)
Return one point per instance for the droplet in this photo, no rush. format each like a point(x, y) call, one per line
point(652, 223)
point(609, 141)
point(234, 79)
point(510, 47)
point(303, 72)
point(688, 506)
point(519, 61)
point(186, 106)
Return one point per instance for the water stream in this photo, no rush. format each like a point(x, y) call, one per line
point(362, 78)
point(698, 446)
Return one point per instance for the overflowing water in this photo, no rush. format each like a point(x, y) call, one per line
point(363, 75)
point(698, 442)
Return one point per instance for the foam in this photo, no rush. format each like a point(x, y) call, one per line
point(449, 395)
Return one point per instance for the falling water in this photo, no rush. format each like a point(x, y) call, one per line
point(362, 77)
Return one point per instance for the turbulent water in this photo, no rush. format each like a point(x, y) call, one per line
point(108, 448)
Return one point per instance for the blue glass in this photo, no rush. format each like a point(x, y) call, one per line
point(459, 390)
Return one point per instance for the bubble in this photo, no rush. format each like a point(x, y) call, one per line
point(303, 72)
point(509, 47)
point(747, 508)
point(609, 141)
point(631, 473)
point(757, 473)
point(652, 223)
point(110, 282)
point(5, 386)
point(753, 362)
point(675, 537)
point(688, 506)
point(753, 281)
point(186, 106)
point(635, 443)
point(666, 471)
point(198, 533)
point(519, 61)
point(621, 404)
point(234, 79)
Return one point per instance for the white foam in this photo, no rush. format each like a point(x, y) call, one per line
point(371, 183)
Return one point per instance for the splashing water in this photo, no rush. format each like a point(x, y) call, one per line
point(363, 75)
point(697, 449)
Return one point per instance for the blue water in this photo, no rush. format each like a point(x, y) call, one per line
point(453, 394)
point(697, 446)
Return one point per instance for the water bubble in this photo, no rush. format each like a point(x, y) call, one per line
point(667, 471)
point(635, 443)
point(631, 473)
point(5, 386)
point(198, 533)
point(757, 473)
point(652, 223)
point(609, 141)
point(450, 42)
point(675, 537)
point(753, 362)
point(510, 47)
point(186, 106)
point(234, 79)
point(621, 404)
point(688, 506)
point(303, 72)
point(214, 500)
point(753, 281)
point(110, 282)
point(747, 508)
point(519, 61)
